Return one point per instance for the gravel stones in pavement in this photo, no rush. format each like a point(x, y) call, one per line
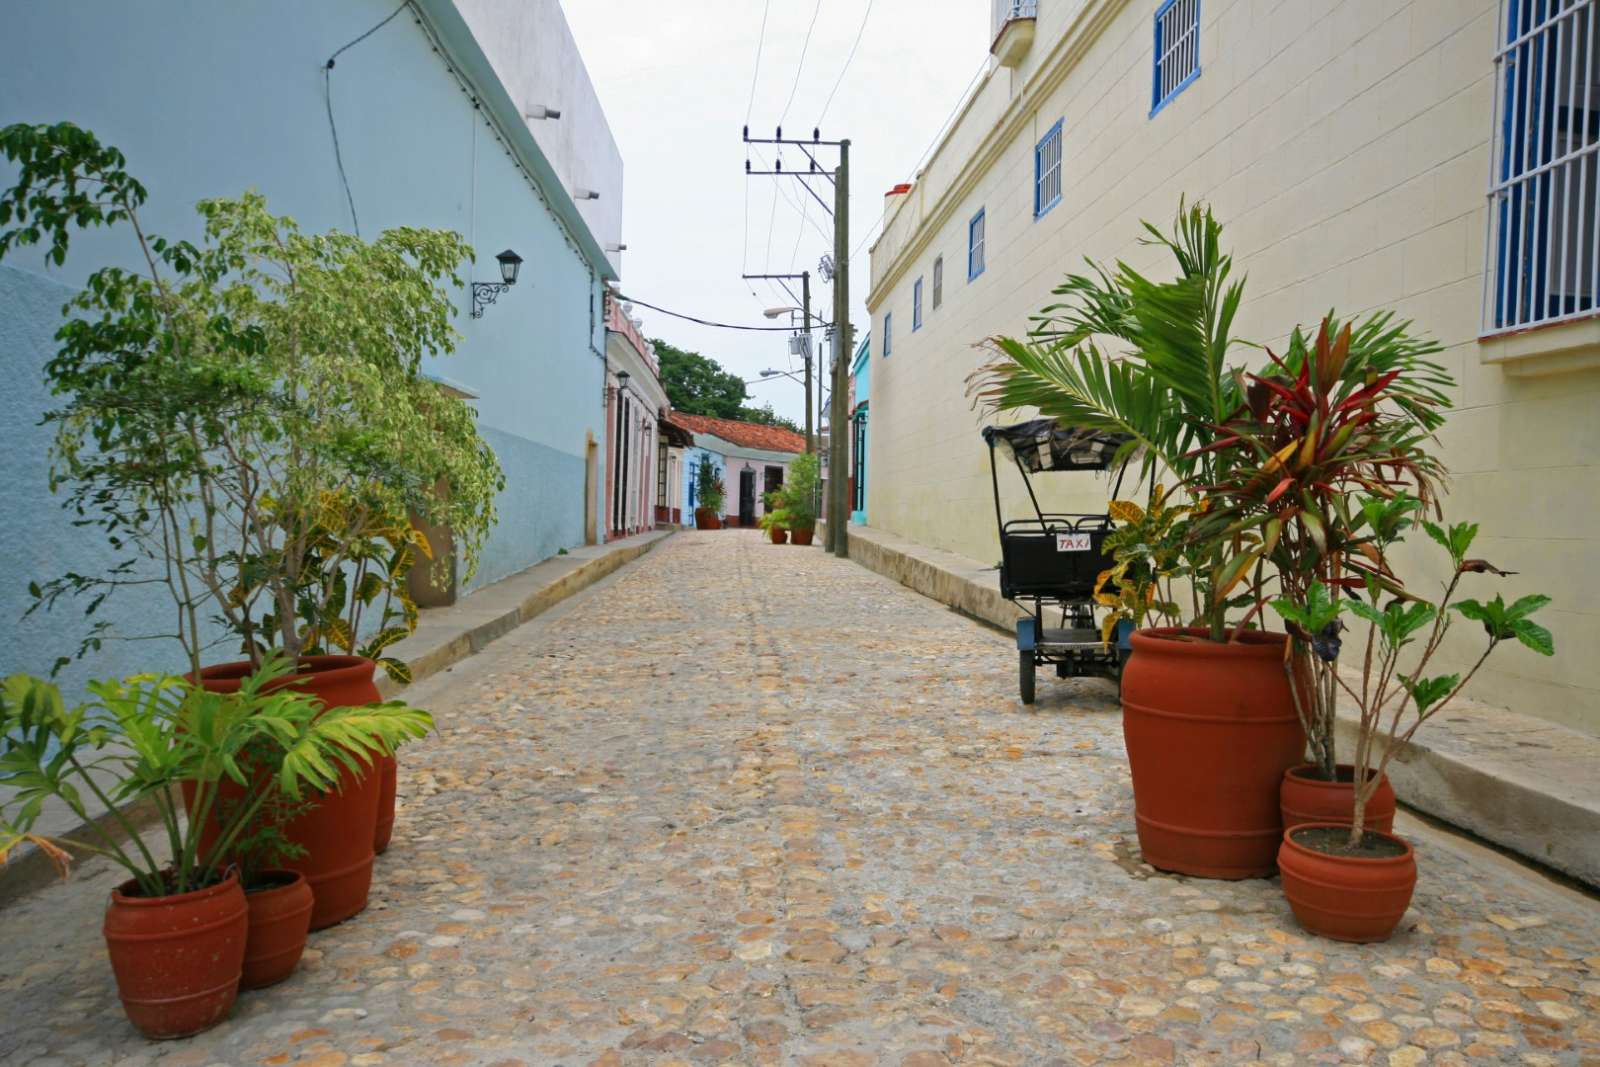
point(751, 804)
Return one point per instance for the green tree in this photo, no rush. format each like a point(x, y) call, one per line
point(767, 417)
point(697, 385)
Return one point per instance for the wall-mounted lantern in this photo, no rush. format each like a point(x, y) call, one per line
point(486, 293)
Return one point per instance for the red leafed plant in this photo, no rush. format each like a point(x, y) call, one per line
point(1346, 417)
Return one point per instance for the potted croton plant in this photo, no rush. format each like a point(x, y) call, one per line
point(1346, 878)
point(1208, 713)
point(800, 495)
point(214, 402)
point(775, 519)
point(709, 490)
point(178, 931)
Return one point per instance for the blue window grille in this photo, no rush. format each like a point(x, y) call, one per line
point(938, 282)
point(1544, 248)
point(916, 306)
point(1177, 52)
point(888, 324)
point(1047, 171)
point(975, 246)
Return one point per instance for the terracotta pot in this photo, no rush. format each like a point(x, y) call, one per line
point(778, 534)
point(1346, 898)
point(801, 537)
point(386, 791)
point(280, 917)
point(1303, 798)
point(338, 833)
point(706, 519)
point(177, 959)
point(1210, 729)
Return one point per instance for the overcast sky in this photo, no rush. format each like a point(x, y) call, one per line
point(674, 77)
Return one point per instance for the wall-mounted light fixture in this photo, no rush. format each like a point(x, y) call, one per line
point(486, 293)
point(580, 193)
point(539, 111)
point(622, 379)
point(616, 248)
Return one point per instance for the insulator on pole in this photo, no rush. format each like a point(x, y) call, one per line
point(780, 133)
point(747, 132)
point(747, 166)
point(778, 165)
point(816, 134)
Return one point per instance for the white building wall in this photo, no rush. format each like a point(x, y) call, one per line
point(1345, 146)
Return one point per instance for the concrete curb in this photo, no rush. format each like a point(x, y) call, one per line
point(1527, 785)
point(444, 637)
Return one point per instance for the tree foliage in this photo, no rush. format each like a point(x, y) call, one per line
point(697, 385)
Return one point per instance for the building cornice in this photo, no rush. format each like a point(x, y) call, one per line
point(1068, 50)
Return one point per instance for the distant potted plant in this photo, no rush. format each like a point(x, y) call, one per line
point(213, 402)
point(1208, 714)
point(1344, 879)
point(775, 518)
point(801, 492)
point(708, 483)
point(177, 930)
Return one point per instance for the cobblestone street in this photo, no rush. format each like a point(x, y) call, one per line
point(756, 805)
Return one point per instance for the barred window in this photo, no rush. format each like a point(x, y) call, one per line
point(975, 230)
point(1544, 235)
point(916, 306)
point(938, 282)
point(1177, 51)
point(1047, 171)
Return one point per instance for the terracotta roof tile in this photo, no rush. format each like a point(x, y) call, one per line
point(746, 434)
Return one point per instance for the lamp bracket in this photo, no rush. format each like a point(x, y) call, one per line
point(484, 294)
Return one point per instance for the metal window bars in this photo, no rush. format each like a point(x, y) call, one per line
point(1542, 261)
point(1047, 171)
point(1177, 49)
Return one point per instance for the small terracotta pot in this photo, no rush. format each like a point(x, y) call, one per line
point(1210, 728)
point(1346, 898)
point(280, 918)
point(801, 537)
point(339, 831)
point(705, 519)
point(1304, 798)
point(387, 787)
point(177, 959)
point(778, 534)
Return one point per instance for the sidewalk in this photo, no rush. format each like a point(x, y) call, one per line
point(1527, 785)
point(443, 638)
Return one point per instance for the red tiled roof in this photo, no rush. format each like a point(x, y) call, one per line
point(746, 434)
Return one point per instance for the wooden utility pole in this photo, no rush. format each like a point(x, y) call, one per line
point(838, 417)
point(805, 318)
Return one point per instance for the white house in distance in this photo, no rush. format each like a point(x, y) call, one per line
point(752, 458)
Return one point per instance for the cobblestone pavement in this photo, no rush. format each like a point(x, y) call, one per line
point(754, 805)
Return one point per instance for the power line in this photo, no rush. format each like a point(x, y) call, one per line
point(800, 66)
point(755, 74)
point(709, 322)
point(840, 79)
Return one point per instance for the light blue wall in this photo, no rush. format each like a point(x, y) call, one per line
point(861, 374)
point(209, 99)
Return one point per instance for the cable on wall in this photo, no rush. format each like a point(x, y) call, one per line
point(327, 96)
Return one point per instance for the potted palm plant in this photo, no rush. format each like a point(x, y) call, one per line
point(1208, 709)
point(800, 496)
point(775, 518)
point(177, 929)
point(211, 403)
point(1346, 879)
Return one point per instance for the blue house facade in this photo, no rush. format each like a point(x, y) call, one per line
point(860, 396)
point(408, 125)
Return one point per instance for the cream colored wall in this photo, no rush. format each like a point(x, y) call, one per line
point(1346, 148)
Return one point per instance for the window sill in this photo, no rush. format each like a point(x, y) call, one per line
point(1540, 351)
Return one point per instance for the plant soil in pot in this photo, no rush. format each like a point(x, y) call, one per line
point(801, 537)
point(1342, 893)
point(1305, 798)
point(338, 833)
point(280, 918)
point(1210, 728)
point(778, 534)
point(177, 958)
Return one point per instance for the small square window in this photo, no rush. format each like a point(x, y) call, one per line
point(975, 246)
point(938, 282)
point(1177, 52)
point(916, 306)
point(888, 326)
point(1047, 171)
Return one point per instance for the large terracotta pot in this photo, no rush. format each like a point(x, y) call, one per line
point(387, 788)
point(1210, 729)
point(280, 917)
point(338, 833)
point(177, 959)
point(1346, 898)
point(1303, 798)
point(706, 519)
point(778, 534)
point(801, 537)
